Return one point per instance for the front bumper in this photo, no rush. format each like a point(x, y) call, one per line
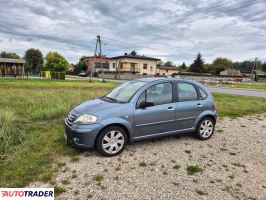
point(82, 136)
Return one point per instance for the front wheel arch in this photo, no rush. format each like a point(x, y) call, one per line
point(115, 124)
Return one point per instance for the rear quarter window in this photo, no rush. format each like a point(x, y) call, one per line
point(203, 94)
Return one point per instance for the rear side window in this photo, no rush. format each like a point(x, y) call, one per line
point(186, 92)
point(203, 94)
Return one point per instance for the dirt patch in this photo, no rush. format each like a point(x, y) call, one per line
point(231, 165)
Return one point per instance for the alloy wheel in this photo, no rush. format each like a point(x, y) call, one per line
point(206, 128)
point(113, 142)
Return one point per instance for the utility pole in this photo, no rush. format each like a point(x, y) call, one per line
point(254, 70)
point(98, 49)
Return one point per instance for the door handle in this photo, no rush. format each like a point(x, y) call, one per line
point(199, 105)
point(170, 108)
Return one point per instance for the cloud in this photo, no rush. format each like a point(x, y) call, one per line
point(168, 29)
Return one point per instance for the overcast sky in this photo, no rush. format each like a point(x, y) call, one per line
point(167, 29)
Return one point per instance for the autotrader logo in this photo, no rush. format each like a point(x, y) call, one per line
point(27, 193)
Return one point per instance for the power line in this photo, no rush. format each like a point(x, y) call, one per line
point(242, 4)
point(196, 13)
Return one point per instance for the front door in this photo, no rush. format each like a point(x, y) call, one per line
point(157, 119)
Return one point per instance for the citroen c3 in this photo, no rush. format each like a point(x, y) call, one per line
point(141, 109)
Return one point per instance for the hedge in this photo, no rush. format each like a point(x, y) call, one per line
point(54, 75)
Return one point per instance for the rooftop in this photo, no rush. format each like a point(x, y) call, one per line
point(11, 60)
point(135, 56)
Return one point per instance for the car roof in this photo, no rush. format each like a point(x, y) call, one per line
point(155, 79)
point(151, 79)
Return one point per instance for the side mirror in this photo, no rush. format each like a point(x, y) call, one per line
point(145, 104)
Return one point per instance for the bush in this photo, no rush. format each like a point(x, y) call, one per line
point(46, 74)
point(58, 75)
point(54, 75)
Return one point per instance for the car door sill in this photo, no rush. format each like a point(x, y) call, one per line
point(154, 123)
point(164, 133)
point(162, 122)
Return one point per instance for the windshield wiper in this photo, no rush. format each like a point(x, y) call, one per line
point(112, 99)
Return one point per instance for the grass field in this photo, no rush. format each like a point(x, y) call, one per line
point(31, 124)
point(259, 86)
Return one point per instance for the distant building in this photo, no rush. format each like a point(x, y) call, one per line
point(166, 71)
point(231, 72)
point(71, 67)
point(94, 63)
point(13, 67)
point(133, 63)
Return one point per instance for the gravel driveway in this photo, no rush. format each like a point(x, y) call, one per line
point(231, 165)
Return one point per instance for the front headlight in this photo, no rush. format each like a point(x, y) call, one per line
point(86, 119)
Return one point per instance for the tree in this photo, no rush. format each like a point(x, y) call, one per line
point(9, 55)
point(34, 59)
point(247, 65)
point(263, 67)
point(133, 53)
point(197, 65)
point(169, 64)
point(80, 66)
point(222, 62)
point(183, 67)
point(55, 62)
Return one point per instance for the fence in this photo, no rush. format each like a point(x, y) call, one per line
point(215, 79)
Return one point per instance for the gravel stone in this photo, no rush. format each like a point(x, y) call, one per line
point(238, 150)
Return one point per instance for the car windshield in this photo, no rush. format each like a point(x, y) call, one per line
point(124, 92)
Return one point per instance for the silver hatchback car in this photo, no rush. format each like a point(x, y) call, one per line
point(141, 109)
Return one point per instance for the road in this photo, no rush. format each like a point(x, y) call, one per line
point(243, 92)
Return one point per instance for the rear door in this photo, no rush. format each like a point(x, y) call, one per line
point(159, 118)
point(188, 107)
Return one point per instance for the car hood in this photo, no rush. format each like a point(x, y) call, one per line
point(95, 106)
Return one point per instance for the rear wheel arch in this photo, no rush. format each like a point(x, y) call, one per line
point(210, 116)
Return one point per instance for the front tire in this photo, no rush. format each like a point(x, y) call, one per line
point(111, 141)
point(205, 128)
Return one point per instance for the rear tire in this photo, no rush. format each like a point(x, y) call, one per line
point(205, 128)
point(111, 141)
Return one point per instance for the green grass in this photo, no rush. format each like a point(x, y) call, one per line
point(259, 86)
point(98, 178)
point(31, 124)
point(176, 167)
point(237, 106)
point(142, 164)
point(193, 169)
point(201, 192)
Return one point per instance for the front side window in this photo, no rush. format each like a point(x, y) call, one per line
point(186, 92)
point(124, 92)
point(158, 94)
